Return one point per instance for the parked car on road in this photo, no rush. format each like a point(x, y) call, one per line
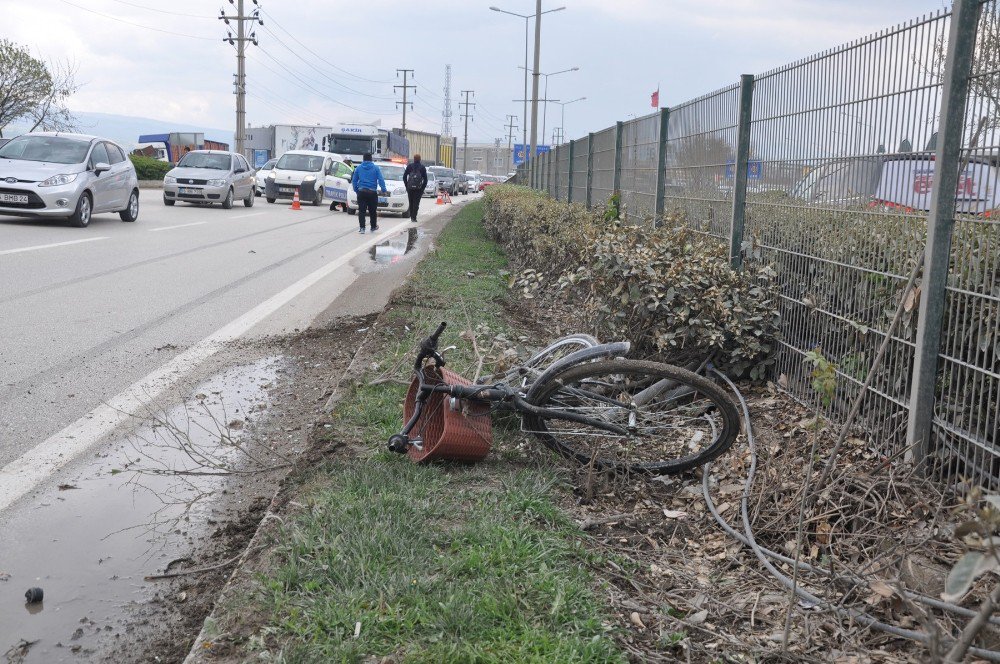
point(475, 177)
point(488, 180)
point(462, 183)
point(397, 202)
point(313, 173)
point(431, 190)
point(210, 176)
point(264, 170)
point(72, 176)
point(445, 178)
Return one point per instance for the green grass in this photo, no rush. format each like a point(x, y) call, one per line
point(441, 563)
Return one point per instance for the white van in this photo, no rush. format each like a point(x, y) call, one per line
point(313, 173)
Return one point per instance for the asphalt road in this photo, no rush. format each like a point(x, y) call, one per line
point(84, 313)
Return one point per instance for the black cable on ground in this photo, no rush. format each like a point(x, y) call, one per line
point(748, 539)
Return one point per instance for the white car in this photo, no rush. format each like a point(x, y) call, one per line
point(263, 171)
point(312, 172)
point(431, 190)
point(397, 201)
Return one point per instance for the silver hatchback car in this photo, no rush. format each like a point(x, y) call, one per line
point(210, 176)
point(72, 176)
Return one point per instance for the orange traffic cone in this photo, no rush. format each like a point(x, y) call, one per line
point(295, 200)
point(447, 197)
point(440, 200)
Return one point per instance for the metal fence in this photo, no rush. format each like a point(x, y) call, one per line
point(843, 173)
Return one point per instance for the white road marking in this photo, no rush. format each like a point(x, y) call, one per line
point(244, 216)
point(32, 468)
point(170, 228)
point(49, 246)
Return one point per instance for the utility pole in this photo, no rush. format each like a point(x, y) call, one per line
point(405, 87)
point(466, 116)
point(446, 111)
point(510, 141)
point(534, 80)
point(240, 79)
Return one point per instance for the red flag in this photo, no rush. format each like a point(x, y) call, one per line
point(654, 99)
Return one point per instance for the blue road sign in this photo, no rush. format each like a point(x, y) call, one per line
point(755, 169)
point(520, 150)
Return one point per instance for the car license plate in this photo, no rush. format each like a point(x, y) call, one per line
point(14, 198)
point(383, 201)
point(188, 190)
point(287, 190)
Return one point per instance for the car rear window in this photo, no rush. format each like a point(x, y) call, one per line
point(217, 162)
point(51, 149)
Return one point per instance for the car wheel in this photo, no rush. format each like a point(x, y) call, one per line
point(249, 200)
point(168, 201)
point(228, 203)
point(351, 211)
point(271, 200)
point(81, 216)
point(319, 196)
point(131, 213)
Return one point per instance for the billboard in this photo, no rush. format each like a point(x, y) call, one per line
point(520, 150)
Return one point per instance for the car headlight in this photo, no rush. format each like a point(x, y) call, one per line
point(398, 191)
point(217, 183)
point(57, 180)
point(169, 179)
point(309, 178)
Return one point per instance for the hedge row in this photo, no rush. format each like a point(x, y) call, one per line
point(147, 168)
point(669, 291)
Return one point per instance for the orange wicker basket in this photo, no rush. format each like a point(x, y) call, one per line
point(456, 430)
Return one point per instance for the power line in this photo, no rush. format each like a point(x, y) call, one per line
point(296, 40)
point(309, 86)
point(162, 11)
point(137, 25)
point(405, 88)
point(323, 73)
point(240, 42)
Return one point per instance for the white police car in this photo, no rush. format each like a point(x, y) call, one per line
point(396, 202)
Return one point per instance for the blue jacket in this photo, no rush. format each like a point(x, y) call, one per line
point(368, 176)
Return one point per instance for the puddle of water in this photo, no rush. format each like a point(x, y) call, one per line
point(89, 542)
point(393, 250)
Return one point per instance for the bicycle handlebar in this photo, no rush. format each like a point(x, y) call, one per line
point(428, 348)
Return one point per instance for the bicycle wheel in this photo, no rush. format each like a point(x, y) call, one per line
point(674, 419)
point(535, 365)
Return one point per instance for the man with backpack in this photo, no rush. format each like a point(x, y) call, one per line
point(367, 182)
point(415, 180)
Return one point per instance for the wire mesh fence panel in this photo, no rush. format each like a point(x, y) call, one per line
point(966, 422)
point(579, 166)
point(603, 167)
point(700, 157)
point(832, 208)
point(562, 172)
point(640, 139)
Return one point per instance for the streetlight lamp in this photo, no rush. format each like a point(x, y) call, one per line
point(562, 122)
point(526, 18)
point(545, 96)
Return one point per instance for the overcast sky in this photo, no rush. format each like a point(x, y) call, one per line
point(166, 59)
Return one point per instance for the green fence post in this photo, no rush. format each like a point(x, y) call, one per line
point(740, 171)
point(619, 132)
point(661, 167)
point(590, 169)
point(569, 179)
point(940, 225)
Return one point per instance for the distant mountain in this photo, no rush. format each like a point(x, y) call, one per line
point(125, 129)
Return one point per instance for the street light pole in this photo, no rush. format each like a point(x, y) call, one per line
point(562, 121)
point(545, 100)
point(527, 17)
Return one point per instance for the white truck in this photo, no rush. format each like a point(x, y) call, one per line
point(275, 140)
point(352, 141)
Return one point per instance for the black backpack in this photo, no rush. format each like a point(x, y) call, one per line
point(414, 180)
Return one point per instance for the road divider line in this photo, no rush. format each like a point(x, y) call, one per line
point(50, 246)
point(24, 474)
point(170, 228)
